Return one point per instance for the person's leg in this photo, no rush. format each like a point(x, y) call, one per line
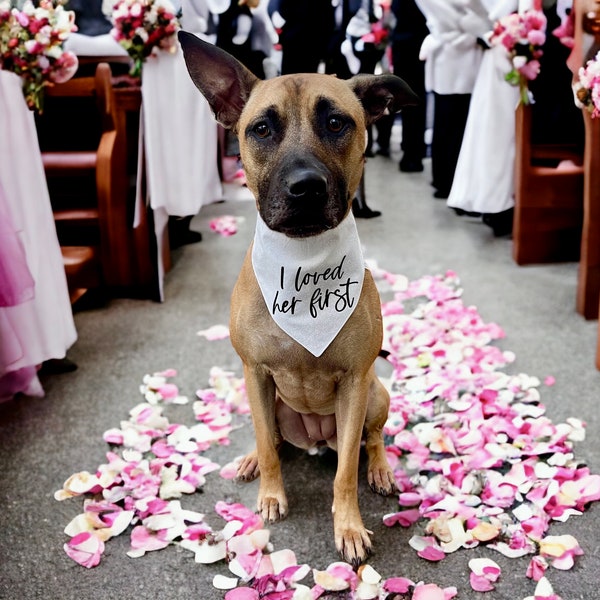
point(450, 117)
point(410, 67)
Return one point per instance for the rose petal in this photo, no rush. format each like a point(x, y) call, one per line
point(85, 548)
point(224, 583)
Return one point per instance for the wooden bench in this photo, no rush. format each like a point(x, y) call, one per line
point(87, 155)
point(588, 279)
point(548, 215)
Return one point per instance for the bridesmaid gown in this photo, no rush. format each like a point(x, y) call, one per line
point(36, 320)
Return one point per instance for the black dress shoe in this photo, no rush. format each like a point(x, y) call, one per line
point(383, 152)
point(180, 233)
point(501, 223)
point(411, 166)
point(441, 194)
point(363, 212)
point(466, 213)
point(56, 366)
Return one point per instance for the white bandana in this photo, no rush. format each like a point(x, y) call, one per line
point(311, 285)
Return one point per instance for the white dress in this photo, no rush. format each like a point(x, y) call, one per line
point(42, 327)
point(484, 176)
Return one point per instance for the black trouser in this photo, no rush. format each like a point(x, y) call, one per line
point(408, 66)
point(449, 118)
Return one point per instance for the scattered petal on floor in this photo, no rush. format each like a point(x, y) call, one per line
point(476, 459)
point(544, 591)
point(484, 573)
point(216, 332)
point(224, 583)
point(226, 225)
point(85, 548)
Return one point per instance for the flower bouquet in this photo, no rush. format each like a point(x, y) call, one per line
point(31, 45)
point(140, 26)
point(523, 35)
point(587, 88)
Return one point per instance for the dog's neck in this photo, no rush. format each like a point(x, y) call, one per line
point(310, 285)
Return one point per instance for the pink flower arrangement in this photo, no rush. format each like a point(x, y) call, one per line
point(141, 27)
point(31, 45)
point(522, 35)
point(587, 88)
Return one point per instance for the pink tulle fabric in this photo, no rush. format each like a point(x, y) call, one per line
point(36, 320)
point(16, 283)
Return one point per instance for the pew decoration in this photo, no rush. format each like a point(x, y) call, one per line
point(587, 88)
point(522, 35)
point(31, 45)
point(143, 27)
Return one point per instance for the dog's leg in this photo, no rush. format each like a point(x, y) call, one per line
point(380, 475)
point(351, 538)
point(272, 501)
point(248, 468)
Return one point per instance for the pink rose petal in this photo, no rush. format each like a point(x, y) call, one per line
point(242, 593)
point(85, 549)
point(428, 591)
point(216, 332)
point(397, 585)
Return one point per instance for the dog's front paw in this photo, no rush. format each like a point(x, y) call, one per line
point(247, 469)
point(272, 507)
point(353, 544)
point(382, 480)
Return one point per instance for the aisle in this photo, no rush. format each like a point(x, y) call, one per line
point(45, 441)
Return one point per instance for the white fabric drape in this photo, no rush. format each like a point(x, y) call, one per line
point(41, 328)
point(180, 138)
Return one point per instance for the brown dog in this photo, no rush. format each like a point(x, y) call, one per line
point(302, 142)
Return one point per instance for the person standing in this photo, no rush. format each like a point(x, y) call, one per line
point(484, 178)
point(305, 33)
point(406, 38)
point(452, 57)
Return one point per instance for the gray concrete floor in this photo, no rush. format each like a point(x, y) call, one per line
point(43, 441)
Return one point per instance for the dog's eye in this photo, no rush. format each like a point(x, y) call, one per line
point(262, 130)
point(335, 124)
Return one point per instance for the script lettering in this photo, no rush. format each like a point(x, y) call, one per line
point(340, 299)
point(328, 274)
point(286, 306)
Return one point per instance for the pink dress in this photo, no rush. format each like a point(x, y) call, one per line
point(36, 320)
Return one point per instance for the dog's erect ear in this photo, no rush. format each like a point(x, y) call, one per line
point(380, 92)
point(223, 80)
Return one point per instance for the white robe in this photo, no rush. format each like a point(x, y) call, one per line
point(40, 328)
point(450, 51)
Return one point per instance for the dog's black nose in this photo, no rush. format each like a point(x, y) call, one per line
point(307, 184)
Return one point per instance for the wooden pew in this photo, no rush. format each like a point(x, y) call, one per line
point(588, 278)
point(86, 140)
point(548, 197)
point(549, 162)
point(587, 44)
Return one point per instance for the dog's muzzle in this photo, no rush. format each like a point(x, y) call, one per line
point(304, 200)
point(308, 186)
